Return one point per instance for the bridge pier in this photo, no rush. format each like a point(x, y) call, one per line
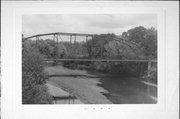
point(37, 38)
point(148, 78)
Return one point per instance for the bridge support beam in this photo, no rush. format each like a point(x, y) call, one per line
point(56, 40)
point(149, 74)
point(70, 38)
point(37, 39)
point(149, 68)
point(74, 38)
point(86, 38)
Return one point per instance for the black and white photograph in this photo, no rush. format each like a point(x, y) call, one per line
point(89, 59)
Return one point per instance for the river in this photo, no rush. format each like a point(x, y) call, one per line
point(128, 90)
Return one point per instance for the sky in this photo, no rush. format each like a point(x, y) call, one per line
point(85, 23)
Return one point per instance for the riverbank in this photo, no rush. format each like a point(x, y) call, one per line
point(60, 96)
point(85, 89)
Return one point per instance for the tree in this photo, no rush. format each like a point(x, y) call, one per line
point(45, 48)
point(146, 38)
point(150, 43)
point(117, 50)
point(124, 34)
point(60, 51)
point(95, 47)
point(107, 46)
point(137, 34)
point(34, 90)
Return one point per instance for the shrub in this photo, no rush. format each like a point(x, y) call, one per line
point(152, 77)
point(34, 90)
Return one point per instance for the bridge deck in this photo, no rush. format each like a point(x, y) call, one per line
point(99, 60)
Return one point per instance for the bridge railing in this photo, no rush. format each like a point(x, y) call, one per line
point(100, 60)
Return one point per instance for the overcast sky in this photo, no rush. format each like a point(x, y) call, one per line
point(85, 23)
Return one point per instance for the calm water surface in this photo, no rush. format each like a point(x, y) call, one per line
point(128, 91)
